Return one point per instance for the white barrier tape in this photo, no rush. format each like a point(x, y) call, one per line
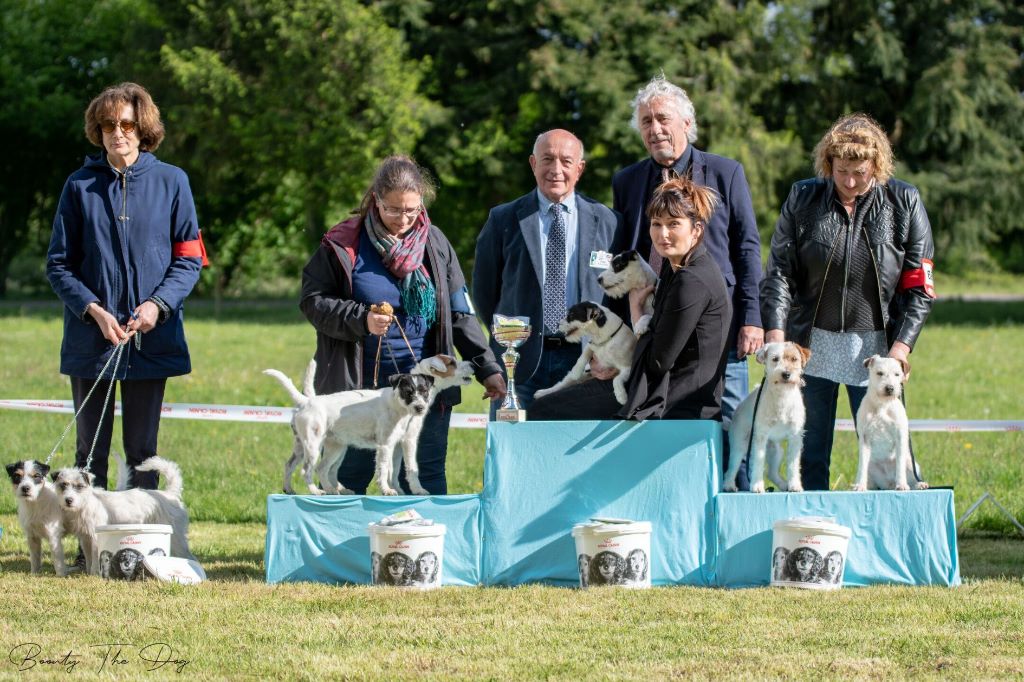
point(460, 420)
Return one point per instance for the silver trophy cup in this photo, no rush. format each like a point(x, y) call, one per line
point(510, 332)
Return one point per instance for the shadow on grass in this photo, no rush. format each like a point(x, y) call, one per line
point(255, 312)
point(988, 555)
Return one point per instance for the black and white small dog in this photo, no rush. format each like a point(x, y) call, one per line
point(39, 512)
point(85, 508)
point(629, 271)
point(611, 344)
point(377, 419)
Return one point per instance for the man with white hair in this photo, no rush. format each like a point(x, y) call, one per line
point(540, 254)
point(663, 115)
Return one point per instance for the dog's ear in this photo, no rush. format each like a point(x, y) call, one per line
point(759, 355)
point(906, 369)
point(45, 468)
point(598, 316)
point(11, 468)
point(437, 364)
point(89, 478)
point(870, 361)
point(55, 475)
point(428, 379)
point(394, 380)
point(805, 353)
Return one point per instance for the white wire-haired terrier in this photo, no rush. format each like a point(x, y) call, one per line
point(611, 344)
point(377, 419)
point(85, 507)
point(883, 432)
point(780, 417)
point(39, 512)
point(629, 271)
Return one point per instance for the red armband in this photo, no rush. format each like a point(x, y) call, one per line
point(191, 249)
point(921, 277)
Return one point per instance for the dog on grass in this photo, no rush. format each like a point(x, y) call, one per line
point(629, 271)
point(379, 419)
point(85, 508)
point(780, 417)
point(883, 433)
point(39, 512)
point(611, 344)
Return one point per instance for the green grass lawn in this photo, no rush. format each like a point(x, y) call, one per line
point(966, 366)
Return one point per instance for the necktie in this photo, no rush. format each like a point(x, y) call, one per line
point(554, 272)
point(655, 258)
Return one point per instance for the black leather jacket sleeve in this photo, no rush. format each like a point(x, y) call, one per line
point(910, 308)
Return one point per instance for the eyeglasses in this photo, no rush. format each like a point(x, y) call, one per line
point(125, 126)
point(396, 212)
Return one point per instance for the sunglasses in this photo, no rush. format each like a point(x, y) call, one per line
point(125, 126)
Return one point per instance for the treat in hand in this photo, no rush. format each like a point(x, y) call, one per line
point(383, 308)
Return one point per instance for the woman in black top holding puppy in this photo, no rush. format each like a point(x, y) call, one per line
point(679, 363)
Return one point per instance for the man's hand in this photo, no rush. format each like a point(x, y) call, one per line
point(748, 341)
point(146, 316)
point(774, 336)
point(108, 325)
point(494, 387)
point(602, 372)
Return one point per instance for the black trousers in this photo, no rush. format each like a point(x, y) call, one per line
point(141, 400)
point(593, 399)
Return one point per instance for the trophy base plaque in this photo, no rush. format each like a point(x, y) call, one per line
point(510, 415)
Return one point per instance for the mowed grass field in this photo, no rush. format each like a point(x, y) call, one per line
point(966, 366)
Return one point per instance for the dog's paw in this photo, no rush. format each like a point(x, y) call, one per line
point(730, 488)
point(342, 490)
point(859, 487)
point(757, 487)
point(313, 490)
point(902, 486)
point(794, 487)
point(642, 325)
point(390, 492)
point(621, 395)
point(921, 485)
point(420, 491)
point(543, 392)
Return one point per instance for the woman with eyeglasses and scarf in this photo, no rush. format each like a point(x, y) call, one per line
point(390, 252)
point(124, 254)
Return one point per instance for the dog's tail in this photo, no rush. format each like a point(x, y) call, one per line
point(170, 471)
point(122, 472)
point(308, 389)
point(297, 398)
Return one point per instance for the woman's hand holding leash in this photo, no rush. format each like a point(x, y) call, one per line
point(111, 330)
point(379, 318)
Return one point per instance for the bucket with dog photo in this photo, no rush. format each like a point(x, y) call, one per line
point(123, 547)
point(613, 552)
point(809, 552)
point(407, 555)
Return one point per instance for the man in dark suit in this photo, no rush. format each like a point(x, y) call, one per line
point(664, 116)
point(539, 255)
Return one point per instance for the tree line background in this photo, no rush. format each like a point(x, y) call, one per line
point(279, 110)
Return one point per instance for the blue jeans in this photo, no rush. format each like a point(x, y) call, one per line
point(357, 470)
point(820, 398)
point(737, 386)
point(555, 363)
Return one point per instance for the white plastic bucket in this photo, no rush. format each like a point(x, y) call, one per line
point(407, 556)
point(613, 553)
point(809, 552)
point(122, 548)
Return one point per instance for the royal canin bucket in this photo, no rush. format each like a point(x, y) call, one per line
point(407, 555)
point(809, 552)
point(121, 548)
point(613, 553)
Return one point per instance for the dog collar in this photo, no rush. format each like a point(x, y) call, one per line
point(612, 336)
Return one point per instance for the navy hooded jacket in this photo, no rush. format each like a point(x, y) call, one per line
point(112, 244)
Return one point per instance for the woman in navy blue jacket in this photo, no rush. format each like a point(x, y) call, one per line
point(124, 254)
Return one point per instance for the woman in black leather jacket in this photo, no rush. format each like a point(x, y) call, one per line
point(849, 275)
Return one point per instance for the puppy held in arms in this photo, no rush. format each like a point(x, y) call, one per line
point(611, 344)
point(883, 433)
point(629, 271)
point(780, 417)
